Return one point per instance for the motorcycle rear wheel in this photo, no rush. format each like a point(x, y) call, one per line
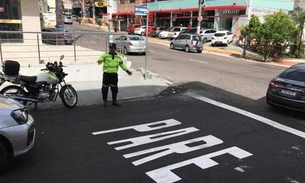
point(14, 90)
point(68, 96)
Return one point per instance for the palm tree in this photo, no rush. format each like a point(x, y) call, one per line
point(298, 16)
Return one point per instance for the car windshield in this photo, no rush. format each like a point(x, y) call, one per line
point(294, 74)
point(136, 38)
point(219, 34)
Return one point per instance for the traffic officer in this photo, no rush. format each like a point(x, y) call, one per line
point(111, 62)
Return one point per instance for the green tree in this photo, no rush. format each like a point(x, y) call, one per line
point(298, 17)
point(275, 31)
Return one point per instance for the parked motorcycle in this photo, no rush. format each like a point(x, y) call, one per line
point(45, 87)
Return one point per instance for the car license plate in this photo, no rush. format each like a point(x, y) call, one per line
point(287, 92)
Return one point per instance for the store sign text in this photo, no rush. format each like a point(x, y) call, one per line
point(165, 174)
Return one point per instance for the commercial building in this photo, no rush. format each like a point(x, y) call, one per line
point(24, 15)
point(217, 14)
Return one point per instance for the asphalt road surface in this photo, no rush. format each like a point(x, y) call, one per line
point(177, 136)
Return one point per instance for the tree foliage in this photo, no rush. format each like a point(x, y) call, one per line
point(298, 17)
point(274, 33)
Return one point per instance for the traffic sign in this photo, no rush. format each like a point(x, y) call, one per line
point(199, 18)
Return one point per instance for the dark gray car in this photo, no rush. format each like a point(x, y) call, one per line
point(187, 42)
point(56, 36)
point(288, 89)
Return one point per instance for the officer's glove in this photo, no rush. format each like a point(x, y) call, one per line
point(129, 72)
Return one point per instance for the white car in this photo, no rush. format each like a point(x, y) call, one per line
point(207, 34)
point(17, 130)
point(222, 38)
point(175, 32)
point(140, 30)
point(164, 34)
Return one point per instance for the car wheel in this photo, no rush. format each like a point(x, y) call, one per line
point(199, 51)
point(125, 51)
point(172, 46)
point(212, 45)
point(4, 157)
point(205, 40)
point(187, 49)
point(143, 53)
point(142, 33)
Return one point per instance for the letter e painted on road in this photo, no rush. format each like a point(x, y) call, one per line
point(180, 148)
point(165, 175)
point(143, 127)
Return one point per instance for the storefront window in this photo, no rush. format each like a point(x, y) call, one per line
point(10, 20)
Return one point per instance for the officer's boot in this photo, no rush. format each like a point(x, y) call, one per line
point(114, 91)
point(105, 95)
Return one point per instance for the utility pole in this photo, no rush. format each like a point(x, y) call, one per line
point(93, 11)
point(84, 9)
point(199, 18)
point(247, 32)
point(110, 5)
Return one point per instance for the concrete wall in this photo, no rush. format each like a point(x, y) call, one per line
point(30, 20)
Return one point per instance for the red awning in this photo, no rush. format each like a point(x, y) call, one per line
point(229, 7)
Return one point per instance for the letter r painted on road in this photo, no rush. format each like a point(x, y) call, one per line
point(143, 127)
point(152, 138)
point(180, 148)
point(165, 175)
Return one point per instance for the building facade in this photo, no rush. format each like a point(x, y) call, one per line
point(19, 15)
point(217, 14)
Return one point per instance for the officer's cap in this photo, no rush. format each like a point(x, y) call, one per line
point(112, 45)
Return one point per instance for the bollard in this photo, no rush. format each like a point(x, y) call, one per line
point(38, 48)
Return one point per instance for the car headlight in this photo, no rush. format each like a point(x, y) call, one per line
point(20, 116)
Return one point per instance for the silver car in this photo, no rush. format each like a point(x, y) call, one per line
point(17, 131)
point(131, 44)
point(187, 42)
point(68, 20)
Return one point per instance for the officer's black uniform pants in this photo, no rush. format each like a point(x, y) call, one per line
point(110, 80)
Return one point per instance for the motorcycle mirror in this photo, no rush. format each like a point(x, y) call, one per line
point(62, 57)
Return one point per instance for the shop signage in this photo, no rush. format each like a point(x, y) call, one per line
point(141, 10)
point(233, 12)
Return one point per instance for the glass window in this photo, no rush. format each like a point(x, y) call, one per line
point(294, 74)
point(136, 38)
point(10, 20)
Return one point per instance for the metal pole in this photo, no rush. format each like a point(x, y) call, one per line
point(38, 46)
point(146, 50)
point(199, 15)
point(1, 50)
point(74, 46)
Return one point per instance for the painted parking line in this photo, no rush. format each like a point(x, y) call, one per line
point(250, 115)
point(199, 61)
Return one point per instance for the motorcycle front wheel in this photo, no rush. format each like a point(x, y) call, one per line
point(14, 90)
point(68, 96)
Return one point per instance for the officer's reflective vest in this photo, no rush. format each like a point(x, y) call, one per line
point(111, 64)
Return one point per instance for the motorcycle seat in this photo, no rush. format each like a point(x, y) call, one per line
point(28, 79)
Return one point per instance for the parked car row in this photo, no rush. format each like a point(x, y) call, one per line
point(222, 37)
